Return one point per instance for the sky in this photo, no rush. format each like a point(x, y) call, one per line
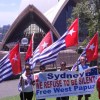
point(10, 9)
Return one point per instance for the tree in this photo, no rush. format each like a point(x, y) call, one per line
point(88, 12)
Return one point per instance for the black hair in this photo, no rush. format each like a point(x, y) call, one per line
point(42, 67)
point(27, 64)
point(63, 63)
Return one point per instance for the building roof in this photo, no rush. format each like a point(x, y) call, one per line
point(55, 11)
point(23, 20)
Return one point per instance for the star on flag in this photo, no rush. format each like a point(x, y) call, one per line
point(44, 45)
point(71, 32)
point(15, 58)
point(46, 41)
point(71, 38)
point(92, 47)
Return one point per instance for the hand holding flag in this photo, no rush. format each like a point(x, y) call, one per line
point(90, 52)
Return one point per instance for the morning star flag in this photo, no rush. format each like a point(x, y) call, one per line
point(90, 52)
point(69, 38)
point(29, 52)
point(46, 41)
point(92, 49)
point(10, 64)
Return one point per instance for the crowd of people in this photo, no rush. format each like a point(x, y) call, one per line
point(26, 81)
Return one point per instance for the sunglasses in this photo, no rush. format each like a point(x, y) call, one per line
point(27, 69)
point(63, 65)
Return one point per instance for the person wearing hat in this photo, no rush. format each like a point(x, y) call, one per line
point(26, 83)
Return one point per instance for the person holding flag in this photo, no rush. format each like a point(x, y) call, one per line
point(26, 83)
point(90, 52)
point(83, 66)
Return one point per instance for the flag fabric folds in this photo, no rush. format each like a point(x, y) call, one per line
point(90, 52)
point(46, 41)
point(71, 38)
point(29, 52)
point(10, 64)
point(92, 49)
point(68, 39)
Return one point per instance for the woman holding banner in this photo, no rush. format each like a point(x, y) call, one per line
point(63, 68)
point(26, 84)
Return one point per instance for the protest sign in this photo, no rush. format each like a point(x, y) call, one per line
point(65, 83)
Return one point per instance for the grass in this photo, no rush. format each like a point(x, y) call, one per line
point(94, 96)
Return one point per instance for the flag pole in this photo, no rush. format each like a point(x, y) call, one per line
point(78, 40)
point(34, 95)
point(98, 47)
point(24, 42)
point(32, 44)
point(22, 82)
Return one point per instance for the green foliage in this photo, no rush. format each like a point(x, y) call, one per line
point(84, 43)
point(88, 12)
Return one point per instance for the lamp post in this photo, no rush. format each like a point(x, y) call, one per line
point(24, 42)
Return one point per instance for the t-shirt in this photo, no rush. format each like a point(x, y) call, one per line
point(82, 68)
point(27, 83)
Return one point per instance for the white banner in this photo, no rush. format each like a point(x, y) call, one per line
point(65, 83)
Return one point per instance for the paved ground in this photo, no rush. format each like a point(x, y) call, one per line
point(9, 88)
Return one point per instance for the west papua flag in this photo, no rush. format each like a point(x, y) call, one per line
point(29, 52)
point(10, 64)
point(90, 52)
point(68, 39)
point(46, 41)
